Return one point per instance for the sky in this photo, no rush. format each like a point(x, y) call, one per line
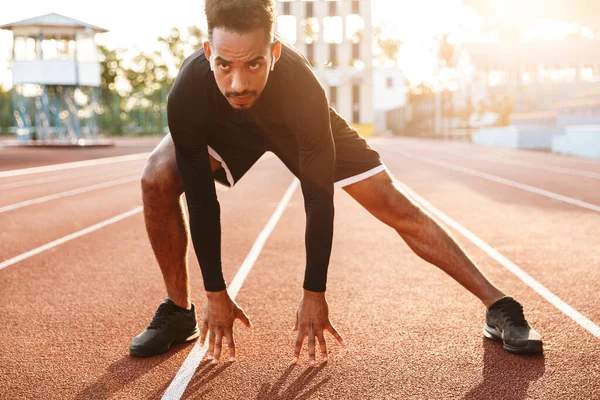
point(136, 24)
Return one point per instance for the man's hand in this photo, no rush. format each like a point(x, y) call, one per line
point(312, 319)
point(218, 319)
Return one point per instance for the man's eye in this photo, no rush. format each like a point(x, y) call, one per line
point(254, 66)
point(224, 67)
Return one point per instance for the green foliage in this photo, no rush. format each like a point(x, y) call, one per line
point(110, 101)
point(134, 91)
point(133, 87)
point(109, 67)
point(6, 117)
point(178, 47)
point(147, 74)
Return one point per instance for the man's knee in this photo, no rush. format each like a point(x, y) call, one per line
point(402, 213)
point(160, 176)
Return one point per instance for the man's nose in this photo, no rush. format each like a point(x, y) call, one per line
point(239, 82)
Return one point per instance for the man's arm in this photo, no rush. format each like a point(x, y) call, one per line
point(190, 118)
point(316, 173)
point(189, 124)
point(311, 124)
point(204, 213)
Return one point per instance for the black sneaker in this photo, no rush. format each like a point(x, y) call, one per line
point(171, 325)
point(505, 322)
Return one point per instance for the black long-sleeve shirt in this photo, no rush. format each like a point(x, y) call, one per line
point(292, 115)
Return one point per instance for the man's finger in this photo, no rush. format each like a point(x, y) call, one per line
point(298, 347)
point(231, 344)
point(335, 334)
point(311, 347)
point(218, 346)
point(203, 333)
point(211, 345)
point(241, 315)
point(323, 346)
point(295, 327)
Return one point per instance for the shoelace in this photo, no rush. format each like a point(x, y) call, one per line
point(162, 316)
point(513, 312)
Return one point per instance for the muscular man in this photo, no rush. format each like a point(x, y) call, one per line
point(246, 92)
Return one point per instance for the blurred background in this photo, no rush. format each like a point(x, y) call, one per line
point(507, 73)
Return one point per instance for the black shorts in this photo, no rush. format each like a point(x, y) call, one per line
point(238, 147)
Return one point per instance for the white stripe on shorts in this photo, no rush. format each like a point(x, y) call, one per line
point(217, 157)
point(337, 185)
point(359, 177)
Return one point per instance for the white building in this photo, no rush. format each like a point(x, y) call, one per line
point(336, 37)
point(389, 100)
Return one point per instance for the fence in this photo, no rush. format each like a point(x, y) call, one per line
point(116, 114)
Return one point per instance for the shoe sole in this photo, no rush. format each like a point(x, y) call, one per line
point(193, 336)
point(533, 346)
point(154, 352)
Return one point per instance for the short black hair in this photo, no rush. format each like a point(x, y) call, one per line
point(240, 16)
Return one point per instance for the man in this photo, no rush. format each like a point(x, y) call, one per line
point(243, 94)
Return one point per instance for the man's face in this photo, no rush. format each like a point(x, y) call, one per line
point(241, 62)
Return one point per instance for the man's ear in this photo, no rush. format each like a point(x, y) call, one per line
point(275, 53)
point(209, 55)
point(207, 49)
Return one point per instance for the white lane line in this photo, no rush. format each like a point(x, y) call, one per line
point(500, 153)
point(506, 263)
point(30, 182)
point(57, 178)
point(497, 179)
point(85, 189)
point(187, 370)
point(561, 170)
point(67, 238)
point(498, 159)
point(71, 165)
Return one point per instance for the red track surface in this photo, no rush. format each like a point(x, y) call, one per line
point(69, 313)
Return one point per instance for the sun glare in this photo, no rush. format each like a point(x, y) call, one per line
point(550, 30)
point(417, 24)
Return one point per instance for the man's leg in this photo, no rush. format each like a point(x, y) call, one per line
point(504, 320)
point(175, 319)
point(166, 224)
point(165, 219)
point(423, 234)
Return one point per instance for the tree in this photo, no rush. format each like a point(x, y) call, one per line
point(446, 52)
point(147, 74)
point(111, 71)
point(134, 90)
point(110, 66)
point(389, 47)
point(6, 117)
point(180, 47)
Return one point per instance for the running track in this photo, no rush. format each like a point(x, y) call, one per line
point(68, 312)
